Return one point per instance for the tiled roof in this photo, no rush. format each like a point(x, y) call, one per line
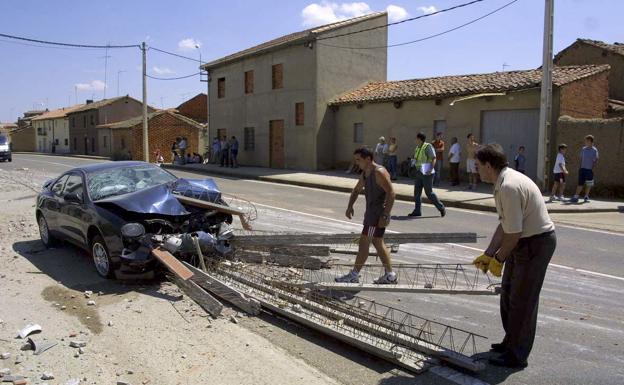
point(615, 47)
point(139, 119)
point(59, 113)
point(101, 103)
point(292, 38)
point(461, 85)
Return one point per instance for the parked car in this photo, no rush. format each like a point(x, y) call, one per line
point(5, 149)
point(120, 211)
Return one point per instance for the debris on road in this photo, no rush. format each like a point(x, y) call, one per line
point(28, 330)
point(77, 344)
point(41, 346)
point(47, 376)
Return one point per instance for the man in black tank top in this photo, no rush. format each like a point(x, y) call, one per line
point(375, 181)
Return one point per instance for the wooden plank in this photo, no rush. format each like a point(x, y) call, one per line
point(172, 263)
point(324, 239)
point(200, 296)
point(215, 206)
point(223, 291)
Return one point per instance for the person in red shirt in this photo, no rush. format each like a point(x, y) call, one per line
point(439, 146)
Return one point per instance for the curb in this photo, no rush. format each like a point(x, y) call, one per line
point(63, 155)
point(401, 197)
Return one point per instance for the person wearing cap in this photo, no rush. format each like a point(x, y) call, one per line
point(381, 149)
point(524, 242)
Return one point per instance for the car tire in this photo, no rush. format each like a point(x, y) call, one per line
point(47, 239)
point(101, 257)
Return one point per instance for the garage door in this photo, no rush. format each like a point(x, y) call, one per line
point(510, 129)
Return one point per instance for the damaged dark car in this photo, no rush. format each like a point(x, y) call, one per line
point(120, 211)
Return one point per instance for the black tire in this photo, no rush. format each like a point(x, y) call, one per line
point(47, 239)
point(101, 257)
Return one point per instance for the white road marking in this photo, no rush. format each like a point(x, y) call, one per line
point(592, 230)
point(455, 376)
point(452, 244)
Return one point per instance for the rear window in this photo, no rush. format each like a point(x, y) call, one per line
point(3, 139)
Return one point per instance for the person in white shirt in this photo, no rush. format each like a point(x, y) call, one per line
point(454, 160)
point(559, 174)
point(381, 150)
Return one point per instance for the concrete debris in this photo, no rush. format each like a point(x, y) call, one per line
point(19, 360)
point(110, 323)
point(14, 379)
point(47, 376)
point(5, 356)
point(234, 319)
point(73, 381)
point(5, 372)
point(41, 346)
point(91, 303)
point(76, 355)
point(77, 344)
point(63, 307)
point(88, 294)
point(29, 329)
point(81, 350)
point(123, 383)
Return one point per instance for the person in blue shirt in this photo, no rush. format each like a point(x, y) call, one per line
point(589, 158)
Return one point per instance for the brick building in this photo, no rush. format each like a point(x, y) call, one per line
point(164, 126)
point(500, 107)
point(83, 122)
point(196, 108)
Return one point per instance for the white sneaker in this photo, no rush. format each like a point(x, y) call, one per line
point(387, 279)
point(351, 277)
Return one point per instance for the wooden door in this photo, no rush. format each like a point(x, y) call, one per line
point(276, 144)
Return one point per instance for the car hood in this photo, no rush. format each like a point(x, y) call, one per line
point(161, 199)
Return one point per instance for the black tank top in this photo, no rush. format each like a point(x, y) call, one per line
point(375, 198)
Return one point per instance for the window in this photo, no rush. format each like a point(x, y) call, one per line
point(75, 143)
point(221, 88)
point(299, 114)
point(57, 187)
point(250, 138)
point(123, 142)
point(277, 76)
point(358, 133)
point(104, 141)
point(66, 142)
point(92, 144)
point(92, 120)
point(249, 82)
point(74, 185)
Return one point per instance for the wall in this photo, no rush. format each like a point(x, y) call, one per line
point(581, 53)
point(119, 135)
point(339, 70)
point(82, 129)
point(23, 139)
point(383, 119)
point(196, 108)
point(609, 139)
point(585, 98)
point(163, 130)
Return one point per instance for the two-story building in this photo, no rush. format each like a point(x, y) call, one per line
point(84, 136)
point(52, 130)
point(196, 108)
point(273, 97)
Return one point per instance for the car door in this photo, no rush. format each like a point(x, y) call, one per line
point(73, 216)
point(51, 206)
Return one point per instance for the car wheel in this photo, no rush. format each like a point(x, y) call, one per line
point(47, 238)
point(101, 257)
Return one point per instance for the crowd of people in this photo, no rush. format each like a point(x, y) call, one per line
point(224, 152)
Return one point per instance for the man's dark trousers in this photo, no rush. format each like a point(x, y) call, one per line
point(523, 277)
point(426, 182)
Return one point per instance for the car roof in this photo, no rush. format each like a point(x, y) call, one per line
point(91, 168)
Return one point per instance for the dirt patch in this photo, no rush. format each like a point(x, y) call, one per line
point(74, 304)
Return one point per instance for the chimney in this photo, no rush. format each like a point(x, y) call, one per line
point(89, 101)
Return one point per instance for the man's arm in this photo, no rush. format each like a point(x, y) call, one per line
point(354, 195)
point(383, 179)
point(509, 241)
point(496, 242)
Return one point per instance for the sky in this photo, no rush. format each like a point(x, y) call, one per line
point(35, 77)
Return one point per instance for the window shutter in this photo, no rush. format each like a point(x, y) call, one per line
point(278, 74)
point(299, 113)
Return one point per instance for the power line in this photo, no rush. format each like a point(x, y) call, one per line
point(401, 21)
point(176, 78)
point(42, 46)
point(67, 44)
point(430, 36)
point(174, 54)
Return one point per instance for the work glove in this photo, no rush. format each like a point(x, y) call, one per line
point(496, 268)
point(482, 262)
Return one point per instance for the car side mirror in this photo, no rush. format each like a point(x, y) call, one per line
point(72, 198)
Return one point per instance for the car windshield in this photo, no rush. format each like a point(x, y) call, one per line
point(3, 139)
point(124, 180)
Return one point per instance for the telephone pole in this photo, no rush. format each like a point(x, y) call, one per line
point(546, 97)
point(145, 138)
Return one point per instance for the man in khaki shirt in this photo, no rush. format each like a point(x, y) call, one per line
point(524, 243)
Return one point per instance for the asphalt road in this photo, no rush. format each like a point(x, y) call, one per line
point(581, 322)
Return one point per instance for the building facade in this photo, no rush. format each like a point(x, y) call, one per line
point(52, 130)
point(196, 108)
point(273, 97)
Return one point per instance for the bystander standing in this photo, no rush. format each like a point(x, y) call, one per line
point(454, 160)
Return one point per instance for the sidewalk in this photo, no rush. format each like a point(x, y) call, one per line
point(481, 199)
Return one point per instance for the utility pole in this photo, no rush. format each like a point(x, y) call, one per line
point(208, 142)
point(145, 138)
point(546, 97)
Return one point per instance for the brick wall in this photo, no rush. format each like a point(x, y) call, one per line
point(195, 108)
point(585, 98)
point(609, 139)
point(163, 130)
